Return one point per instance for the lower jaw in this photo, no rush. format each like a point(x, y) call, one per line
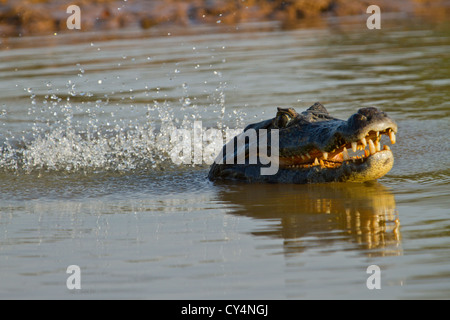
point(375, 167)
point(372, 168)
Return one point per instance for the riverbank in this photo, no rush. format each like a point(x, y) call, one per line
point(38, 17)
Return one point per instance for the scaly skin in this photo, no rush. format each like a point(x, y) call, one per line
point(314, 147)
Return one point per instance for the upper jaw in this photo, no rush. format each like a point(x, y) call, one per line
point(362, 131)
point(360, 124)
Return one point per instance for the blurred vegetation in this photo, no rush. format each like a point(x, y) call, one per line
point(24, 17)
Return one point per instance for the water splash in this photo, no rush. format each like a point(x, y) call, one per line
point(72, 133)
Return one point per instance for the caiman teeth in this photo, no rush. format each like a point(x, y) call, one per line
point(372, 147)
point(392, 136)
point(345, 154)
point(334, 158)
point(377, 145)
point(364, 142)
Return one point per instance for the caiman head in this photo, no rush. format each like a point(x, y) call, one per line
point(313, 147)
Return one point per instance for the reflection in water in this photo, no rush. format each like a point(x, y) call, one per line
point(321, 214)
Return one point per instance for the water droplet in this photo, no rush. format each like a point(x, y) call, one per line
point(187, 102)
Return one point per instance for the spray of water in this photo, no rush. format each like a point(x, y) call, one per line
point(72, 133)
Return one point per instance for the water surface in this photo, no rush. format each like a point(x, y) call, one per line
point(87, 178)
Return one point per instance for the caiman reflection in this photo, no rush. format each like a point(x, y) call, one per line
point(363, 214)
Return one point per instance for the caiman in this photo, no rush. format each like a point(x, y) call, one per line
point(313, 147)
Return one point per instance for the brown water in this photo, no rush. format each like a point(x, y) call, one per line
point(86, 177)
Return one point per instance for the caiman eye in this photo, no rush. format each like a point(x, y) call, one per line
point(284, 117)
